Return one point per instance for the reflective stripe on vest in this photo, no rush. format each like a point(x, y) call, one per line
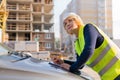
point(106, 58)
point(108, 66)
point(100, 56)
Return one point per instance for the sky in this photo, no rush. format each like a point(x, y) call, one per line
point(116, 19)
point(60, 5)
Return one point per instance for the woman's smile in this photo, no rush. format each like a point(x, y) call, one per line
point(69, 27)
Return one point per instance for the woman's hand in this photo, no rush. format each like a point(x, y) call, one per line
point(65, 66)
point(58, 61)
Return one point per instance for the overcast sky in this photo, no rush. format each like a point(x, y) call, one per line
point(116, 19)
point(59, 7)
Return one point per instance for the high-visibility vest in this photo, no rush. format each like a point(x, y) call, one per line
point(105, 59)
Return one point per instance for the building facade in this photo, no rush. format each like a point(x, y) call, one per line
point(98, 12)
point(31, 20)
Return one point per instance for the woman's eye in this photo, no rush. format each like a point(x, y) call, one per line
point(65, 24)
point(70, 20)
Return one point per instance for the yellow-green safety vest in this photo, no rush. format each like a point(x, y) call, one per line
point(105, 59)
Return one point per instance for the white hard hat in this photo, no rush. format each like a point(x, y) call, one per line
point(70, 15)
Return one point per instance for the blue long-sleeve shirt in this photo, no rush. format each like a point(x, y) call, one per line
point(93, 39)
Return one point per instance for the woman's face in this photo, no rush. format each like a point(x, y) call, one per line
point(70, 25)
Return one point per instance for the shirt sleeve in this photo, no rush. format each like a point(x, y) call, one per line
point(90, 36)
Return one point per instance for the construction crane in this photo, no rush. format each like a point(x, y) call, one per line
point(3, 18)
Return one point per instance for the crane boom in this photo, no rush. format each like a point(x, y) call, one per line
point(3, 18)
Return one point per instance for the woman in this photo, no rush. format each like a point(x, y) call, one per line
point(93, 48)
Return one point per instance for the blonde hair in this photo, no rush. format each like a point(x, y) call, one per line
point(76, 17)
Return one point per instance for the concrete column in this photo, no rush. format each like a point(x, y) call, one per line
point(42, 19)
point(42, 9)
point(17, 37)
point(17, 7)
point(31, 9)
point(31, 29)
point(42, 27)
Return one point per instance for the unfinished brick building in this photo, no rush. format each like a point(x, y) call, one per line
point(31, 20)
